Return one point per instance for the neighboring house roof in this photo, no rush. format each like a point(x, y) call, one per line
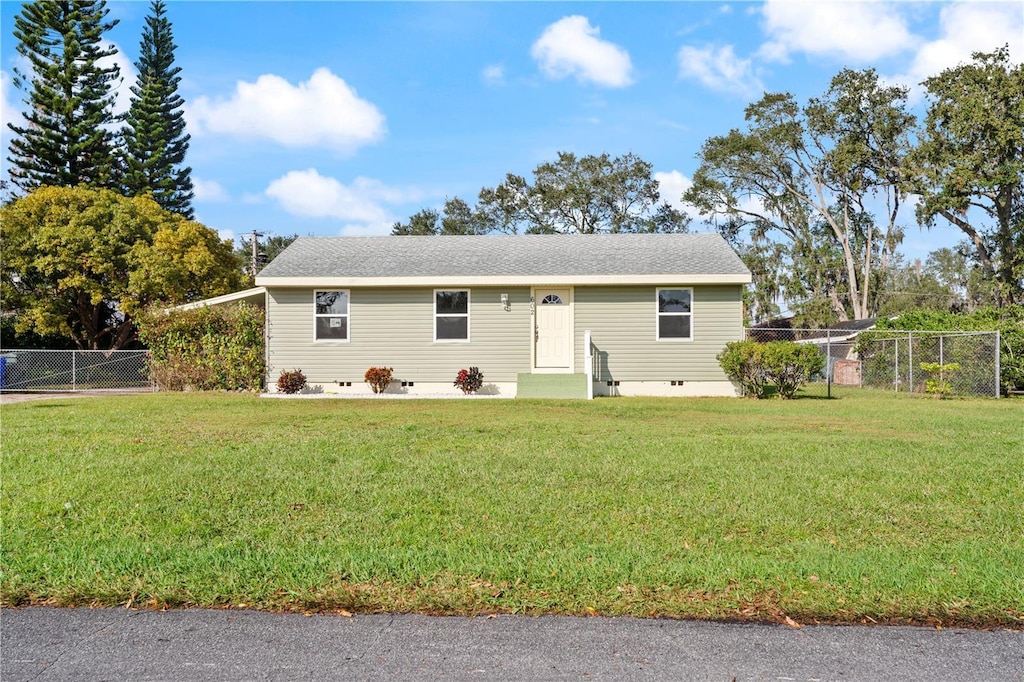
point(782, 329)
point(256, 296)
point(506, 259)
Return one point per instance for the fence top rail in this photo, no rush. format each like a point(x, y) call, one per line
point(819, 331)
point(107, 353)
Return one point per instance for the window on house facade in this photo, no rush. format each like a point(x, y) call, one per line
point(675, 315)
point(330, 316)
point(451, 315)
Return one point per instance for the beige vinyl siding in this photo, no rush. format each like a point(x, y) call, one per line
point(623, 322)
point(394, 327)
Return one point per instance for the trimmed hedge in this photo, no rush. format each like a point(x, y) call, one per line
point(205, 349)
point(783, 364)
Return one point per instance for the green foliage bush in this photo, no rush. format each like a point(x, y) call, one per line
point(741, 362)
point(790, 365)
point(469, 380)
point(783, 364)
point(1008, 321)
point(205, 349)
point(939, 385)
point(291, 381)
point(379, 378)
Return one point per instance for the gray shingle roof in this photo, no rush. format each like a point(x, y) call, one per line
point(600, 255)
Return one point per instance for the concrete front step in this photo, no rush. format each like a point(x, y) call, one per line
point(552, 386)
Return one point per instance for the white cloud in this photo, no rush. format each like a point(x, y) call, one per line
point(323, 111)
point(208, 191)
point(719, 69)
point(226, 235)
point(966, 28)
point(309, 194)
point(129, 77)
point(860, 31)
point(494, 74)
point(572, 47)
point(671, 186)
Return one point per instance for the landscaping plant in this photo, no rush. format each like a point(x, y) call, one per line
point(469, 380)
point(790, 365)
point(291, 382)
point(783, 364)
point(939, 386)
point(741, 362)
point(379, 378)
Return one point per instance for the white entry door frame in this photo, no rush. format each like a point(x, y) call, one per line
point(553, 330)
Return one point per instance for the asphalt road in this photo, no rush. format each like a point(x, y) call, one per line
point(47, 644)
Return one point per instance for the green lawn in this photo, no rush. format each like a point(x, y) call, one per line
point(867, 507)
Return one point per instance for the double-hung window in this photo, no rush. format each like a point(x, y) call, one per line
point(675, 314)
point(451, 315)
point(330, 315)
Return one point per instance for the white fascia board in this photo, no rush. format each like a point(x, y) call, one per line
point(256, 293)
point(488, 280)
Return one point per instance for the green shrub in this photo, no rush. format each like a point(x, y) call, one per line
point(205, 349)
point(379, 378)
point(939, 386)
point(784, 364)
point(469, 380)
point(790, 365)
point(741, 362)
point(291, 382)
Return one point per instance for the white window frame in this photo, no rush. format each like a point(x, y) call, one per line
point(658, 315)
point(347, 316)
point(469, 305)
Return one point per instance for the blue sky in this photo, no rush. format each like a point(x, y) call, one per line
point(332, 118)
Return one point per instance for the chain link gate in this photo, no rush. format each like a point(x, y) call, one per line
point(73, 370)
point(951, 362)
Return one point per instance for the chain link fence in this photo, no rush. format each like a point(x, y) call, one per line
point(73, 370)
point(948, 362)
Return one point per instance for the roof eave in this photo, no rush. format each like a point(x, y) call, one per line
point(511, 280)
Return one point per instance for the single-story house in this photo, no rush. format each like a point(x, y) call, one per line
point(657, 309)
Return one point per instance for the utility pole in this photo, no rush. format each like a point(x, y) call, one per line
point(255, 250)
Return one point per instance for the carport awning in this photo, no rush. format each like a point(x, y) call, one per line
point(256, 296)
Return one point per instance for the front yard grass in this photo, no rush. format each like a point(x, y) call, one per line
point(871, 507)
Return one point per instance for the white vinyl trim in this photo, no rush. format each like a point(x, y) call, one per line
point(469, 302)
point(463, 282)
point(658, 315)
point(347, 315)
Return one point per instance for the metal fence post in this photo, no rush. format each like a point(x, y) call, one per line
point(999, 350)
point(828, 362)
point(896, 365)
point(74, 370)
point(910, 359)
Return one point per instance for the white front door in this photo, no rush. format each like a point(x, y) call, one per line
point(554, 329)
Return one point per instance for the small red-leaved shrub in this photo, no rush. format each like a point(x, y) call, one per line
point(378, 377)
point(291, 382)
point(469, 380)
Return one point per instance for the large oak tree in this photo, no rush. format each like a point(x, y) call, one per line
point(969, 166)
point(821, 179)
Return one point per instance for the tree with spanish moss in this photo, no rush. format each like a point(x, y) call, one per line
point(969, 165)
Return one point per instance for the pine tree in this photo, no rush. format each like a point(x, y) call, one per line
point(67, 138)
point(155, 137)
